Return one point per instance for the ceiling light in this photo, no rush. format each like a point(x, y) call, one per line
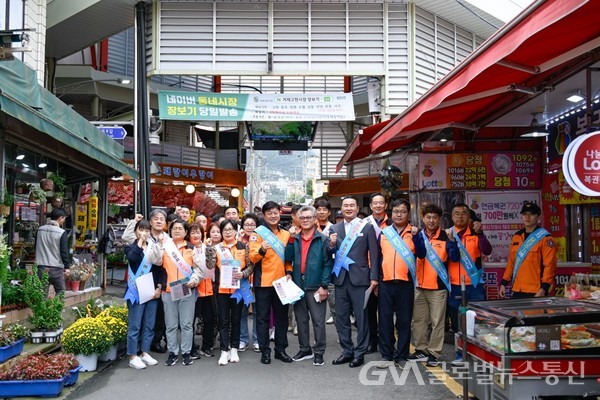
point(25, 165)
point(42, 165)
point(535, 129)
point(123, 81)
point(190, 189)
point(20, 156)
point(575, 97)
point(235, 192)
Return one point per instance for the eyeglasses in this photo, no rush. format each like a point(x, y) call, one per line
point(308, 218)
point(399, 212)
point(249, 225)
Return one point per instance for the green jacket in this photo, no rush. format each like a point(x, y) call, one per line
point(318, 262)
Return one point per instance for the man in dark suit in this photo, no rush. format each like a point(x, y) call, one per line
point(353, 241)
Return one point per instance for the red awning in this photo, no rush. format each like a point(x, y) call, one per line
point(545, 42)
point(361, 144)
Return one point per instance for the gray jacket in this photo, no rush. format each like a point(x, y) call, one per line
point(51, 248)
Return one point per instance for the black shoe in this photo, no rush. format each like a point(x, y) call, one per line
point(303, 355)
point(187, 359)
point(158, 348)
point(194, 355)
point(432, 361)
point(172, 360)
point(265, 358)
point(372, 349)
point(318, 360)
point(357, 362)
point(341, 360)
point(418, 356)
point(207, 353)
point(283, 357)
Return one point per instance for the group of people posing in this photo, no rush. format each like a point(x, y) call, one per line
point(398, 283)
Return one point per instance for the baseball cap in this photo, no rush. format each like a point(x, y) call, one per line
point(338, 214)
point(474, 216)
point(531, 207)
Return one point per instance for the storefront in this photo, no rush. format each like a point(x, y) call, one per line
point(41, 138)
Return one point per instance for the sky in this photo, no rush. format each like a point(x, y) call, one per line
point(504, 10)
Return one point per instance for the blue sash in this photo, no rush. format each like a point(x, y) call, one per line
point(132, 291)
point(531, 241)
point(244, 292)
point(402, 249)
point(466, 261)
point(273, 240)
point(436, 262)
point(341, 258)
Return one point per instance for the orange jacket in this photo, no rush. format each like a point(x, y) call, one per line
point(426, 274)
point(173, 273)
point(238, 251)
point(455, 269)
point(268, 266)
point(393, 266)
point(205, 288)
point(537, 269)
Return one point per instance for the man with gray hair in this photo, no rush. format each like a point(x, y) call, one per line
point(309, 254)
point(52, 251)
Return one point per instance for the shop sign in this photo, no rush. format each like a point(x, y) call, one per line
point(187, 173)
point(569, 196)
point(189, 106)
point(80, 223)
point(564, 130)
point(93, 212)
point(464, 171)
point(595, 238)
point(500, 217)
point(581, 164)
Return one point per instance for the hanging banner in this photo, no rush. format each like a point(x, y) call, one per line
point(190, 106)
point(595, 238)
point(93, 212)
point(80, 223)
point(500, 217)
point(554, 214)
point(463, 171)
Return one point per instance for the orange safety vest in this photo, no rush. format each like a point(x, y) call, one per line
point(426, 274)
point(238, 251)
point(269, 267)
point(393, 266)
point(455, 268)
point(173, 273)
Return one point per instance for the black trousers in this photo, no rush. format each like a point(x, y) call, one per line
point(206, 311)
point(266, 298)
point(373, 326)
point(395, 298)
point(160, 330)
point(230, 316)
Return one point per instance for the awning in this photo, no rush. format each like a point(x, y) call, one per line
point(540, 46)
point(22, 98)
point(360, 147)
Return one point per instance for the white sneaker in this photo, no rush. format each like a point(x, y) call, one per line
point(352, 319)
point(256, 348)
point(272, 334)
point(233, 356)
point(296, 330)
point(136, 363)
point(329, 321)
point(242, 346)
point(224, 359)
point(148, 360)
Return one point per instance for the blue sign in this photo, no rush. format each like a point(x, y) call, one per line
point(115, 132)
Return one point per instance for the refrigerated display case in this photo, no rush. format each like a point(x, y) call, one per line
point(531, 348)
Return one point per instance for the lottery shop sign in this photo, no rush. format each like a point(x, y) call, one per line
point(581, 164)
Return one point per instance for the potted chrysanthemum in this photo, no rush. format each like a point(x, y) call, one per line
point(118, 331)
point(87, 338)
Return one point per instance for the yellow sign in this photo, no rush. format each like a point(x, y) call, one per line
point(569, 196)
point(80, 223)
point(93, 212)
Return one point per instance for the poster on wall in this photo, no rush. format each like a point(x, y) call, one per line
point(500, 216)
point(553, 214)
point(465, 171)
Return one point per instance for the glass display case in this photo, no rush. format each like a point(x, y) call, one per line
point(533, 348)
point(546, 324)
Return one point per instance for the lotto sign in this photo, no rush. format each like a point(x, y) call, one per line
point(581, 164)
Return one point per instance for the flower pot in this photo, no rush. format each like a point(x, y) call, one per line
point(11, 350)
point(47, 184)
point(73, 376)
point(52, 336)
point(74, 285)
point(45, 388)
point(57, 202)
point(111, 355)
point(36, 337)
point(87, 363)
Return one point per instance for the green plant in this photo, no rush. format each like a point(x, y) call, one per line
point(11, 333)
point(91, 309)
point(87, 336)
point(59, 184)
point(117, 257)
point(5, 251)
point(37, 195)
point(37, 367)
point(9, 199)
point(46, 313)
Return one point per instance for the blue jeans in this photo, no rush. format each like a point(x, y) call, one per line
point(244, 327)
point(455, 300)
point(140, 326)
